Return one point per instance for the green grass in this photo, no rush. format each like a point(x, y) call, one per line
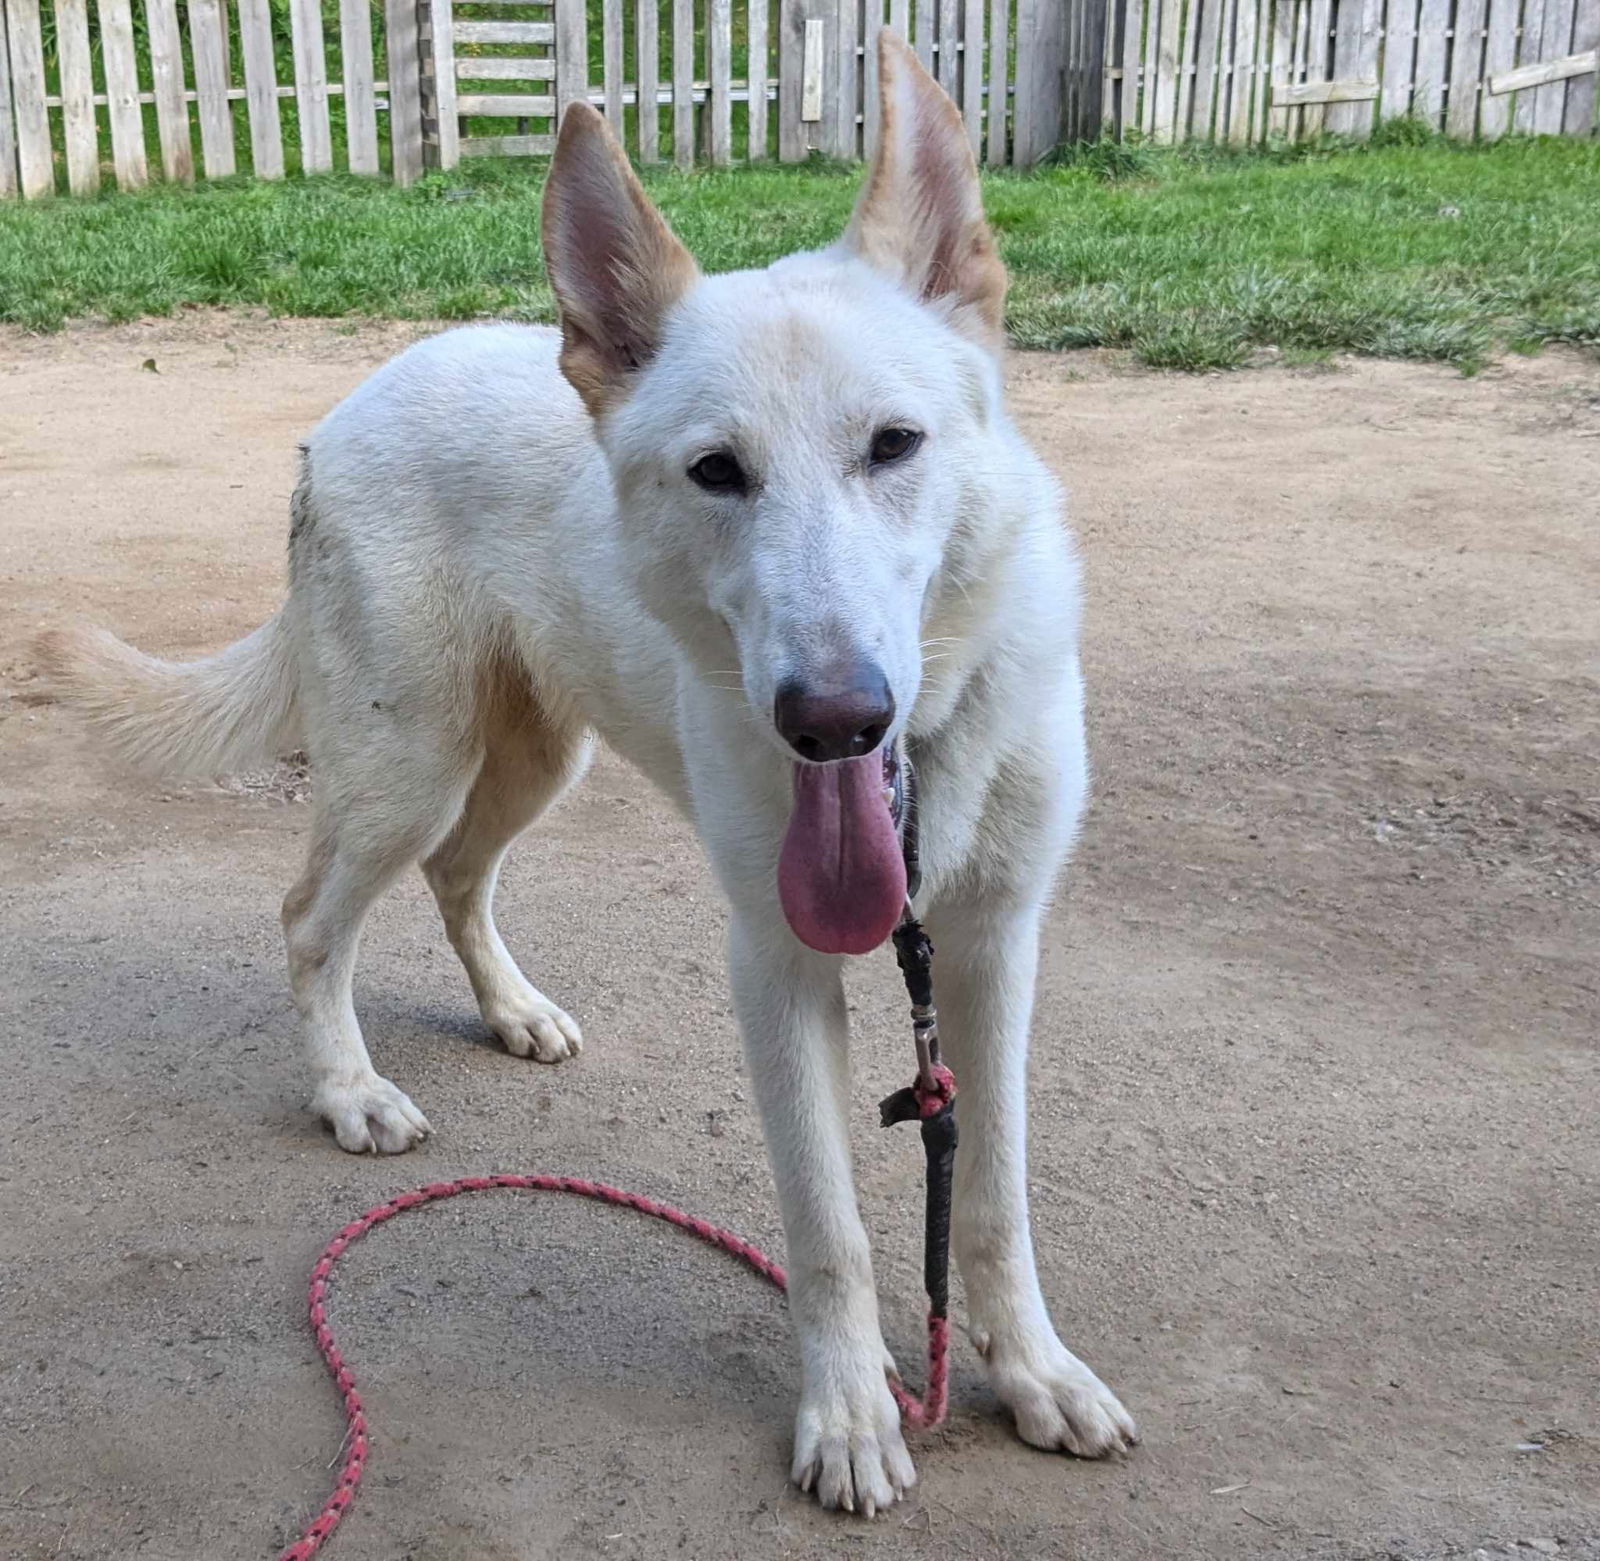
point(1408, 248)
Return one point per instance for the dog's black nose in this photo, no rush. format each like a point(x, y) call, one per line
point(835, 717)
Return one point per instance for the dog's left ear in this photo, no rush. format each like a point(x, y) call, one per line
point(614, 264)
point(920, 216)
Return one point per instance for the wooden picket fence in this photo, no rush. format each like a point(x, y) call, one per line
point(1243, 71)
point(267, 86)
point(218, 87)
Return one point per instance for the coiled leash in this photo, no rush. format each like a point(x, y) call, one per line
point(928, 1099)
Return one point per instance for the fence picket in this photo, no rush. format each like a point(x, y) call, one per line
point(1164, 83)
point(872, 18)
point(843, 112)
point(1399, 56)
point(1318, 63)
point(1287, 119)
point(208, 46)
point(360, 93)
point(439, 69)
point(1261, 88)
point(611, 35)
point(8, 123)
point(1188, 51)
point(971, 72)
point(1530, 50)
point(122, 94)
point(311, 86)
point(1204, 97)
point(1071, 30)
point(1285, 15)
point(1427, 93)
point(261, 89)
point(682, 82)
point(1246, 46)
point(79, 131)
point(571, 38)
point(946, 58)
point(1037, 109)
point(1132, 51)
point(1092, 101)
point(1581, 89)
point(1355, 58)
point(923, 43)
point(1147, 65)
point(402, 50)
point(166, 75)
point(999, 77)
point(759, 71)
point(719, 76)
point(1466, 59)
point(1499, 54)
point(1549, 102)
point(647, 73)
point(35, 159)
point(871, 87)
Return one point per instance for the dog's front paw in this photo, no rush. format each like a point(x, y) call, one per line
point(1056, 1401)
point(530, 1025)
point(849, 1450)
point(369, 1115)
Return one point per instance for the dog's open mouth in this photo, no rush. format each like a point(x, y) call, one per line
point(841, 873)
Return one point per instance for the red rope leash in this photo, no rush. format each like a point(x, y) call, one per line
point(919, 1413)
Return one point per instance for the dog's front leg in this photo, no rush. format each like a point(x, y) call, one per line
point(987, 954)
point(791, 1009)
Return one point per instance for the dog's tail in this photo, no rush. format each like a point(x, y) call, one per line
point(232, 711)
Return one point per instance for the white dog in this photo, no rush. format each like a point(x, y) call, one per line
point(760, 532)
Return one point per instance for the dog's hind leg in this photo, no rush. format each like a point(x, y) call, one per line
point(364, 837)
point(530, 760)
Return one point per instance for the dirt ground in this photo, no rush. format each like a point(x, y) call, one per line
point(1315, 1154)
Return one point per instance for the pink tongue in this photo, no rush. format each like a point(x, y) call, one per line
point(841, 877)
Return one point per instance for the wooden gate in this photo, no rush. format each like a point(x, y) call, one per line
point(748, 81)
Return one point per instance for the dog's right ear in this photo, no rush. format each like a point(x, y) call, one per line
point(615, 265)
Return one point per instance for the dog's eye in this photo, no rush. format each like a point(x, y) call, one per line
point(894, 444)
point(718, 473)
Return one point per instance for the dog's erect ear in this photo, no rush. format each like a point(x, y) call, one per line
point(615, 265)
point(920, 216)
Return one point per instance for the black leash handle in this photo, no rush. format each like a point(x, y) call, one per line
point(931, 1101)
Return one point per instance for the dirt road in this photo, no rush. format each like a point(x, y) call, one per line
point(1316, 1161)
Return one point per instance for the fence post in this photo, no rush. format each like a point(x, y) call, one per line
point(405, 90)
point(1041, 38)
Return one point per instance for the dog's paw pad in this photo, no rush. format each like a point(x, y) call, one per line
point(533, 1026)
point(369, 1115)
